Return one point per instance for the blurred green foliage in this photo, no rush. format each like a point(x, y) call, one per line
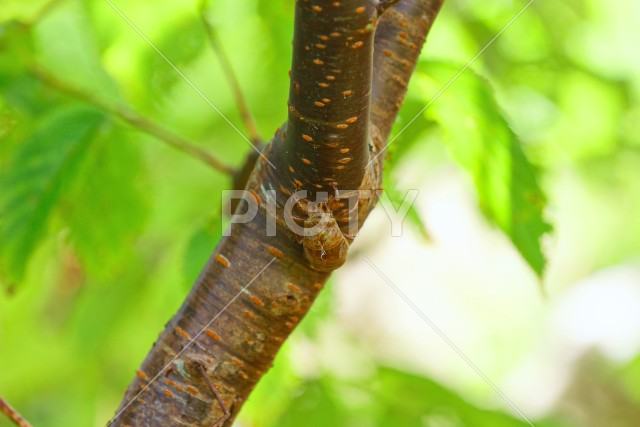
point(482, 141)
point(103, 229)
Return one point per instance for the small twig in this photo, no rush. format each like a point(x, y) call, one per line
point(12, 414)
point(216, 393)
point(247, 118)
point(128, 115)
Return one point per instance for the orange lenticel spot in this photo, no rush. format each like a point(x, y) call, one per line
point(213, 335)
point(255, 196)
point(222, 260)
point(293, 288)
point(275, 251)
point(182, 332)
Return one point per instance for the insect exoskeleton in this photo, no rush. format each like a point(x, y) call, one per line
point(326, 250)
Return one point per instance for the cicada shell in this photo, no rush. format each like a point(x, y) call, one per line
point(327, 249)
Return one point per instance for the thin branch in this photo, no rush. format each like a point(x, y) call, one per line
point(327, 134)
point(247, 118)
point(12, 414)
point(401, 33)
point(128, 115)
point(226, 414)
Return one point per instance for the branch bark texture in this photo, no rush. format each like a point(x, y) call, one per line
point(256, 288)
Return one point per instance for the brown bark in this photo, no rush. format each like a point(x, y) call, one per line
point(326, 140)
point(12, 415)
point(255, 288)
point(399, 40)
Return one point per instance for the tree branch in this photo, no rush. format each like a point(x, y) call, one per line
point(327, 133)
point(401, 33)
point(12, 414)
point(134, 119)
point(245, 113)
point(256, 287)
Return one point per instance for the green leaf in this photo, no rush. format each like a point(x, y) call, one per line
point(43, 168)
point(16, 49)
point(20, 90)
point(68, 48)
point(106, 208)
point(405, 399)
point(314, 406)
point(400, 145)
point(181, 44)
point(482, 141)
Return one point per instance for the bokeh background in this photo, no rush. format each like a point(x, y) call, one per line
point(101, 236)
